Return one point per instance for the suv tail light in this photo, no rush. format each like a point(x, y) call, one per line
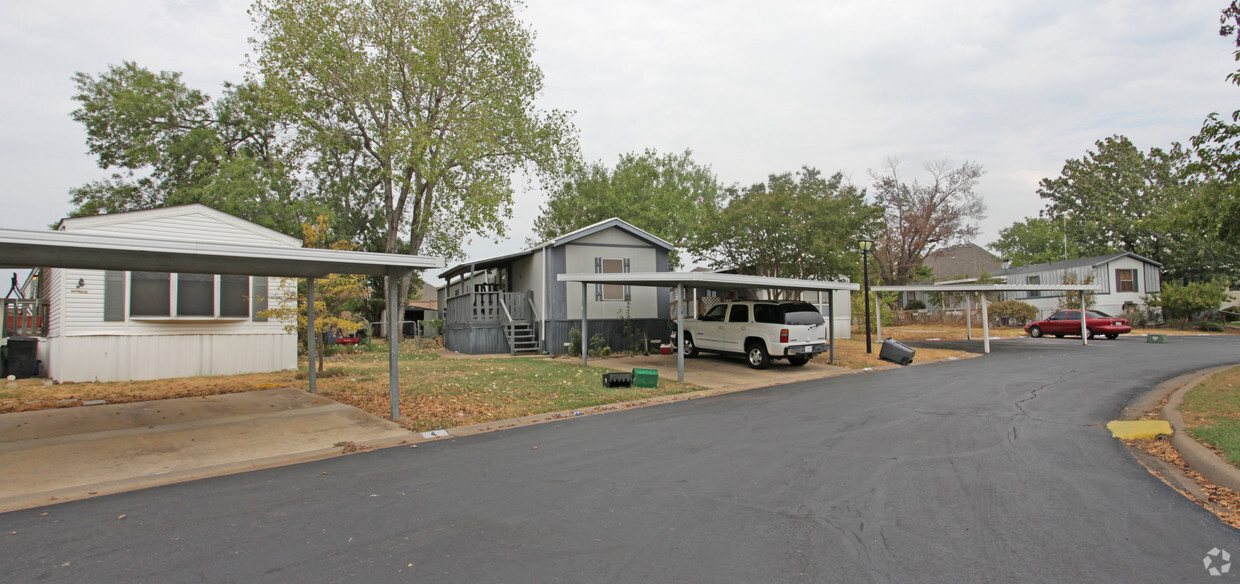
point(783, 335)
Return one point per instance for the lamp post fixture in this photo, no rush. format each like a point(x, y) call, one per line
point(866, 244)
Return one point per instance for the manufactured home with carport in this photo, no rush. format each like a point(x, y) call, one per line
point(513, 303)
point(111, 325)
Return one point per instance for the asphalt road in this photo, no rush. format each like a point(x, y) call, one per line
point(994, 469)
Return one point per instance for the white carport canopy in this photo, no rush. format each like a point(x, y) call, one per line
point(970, 289)
point(22, 248)
point(681, 280)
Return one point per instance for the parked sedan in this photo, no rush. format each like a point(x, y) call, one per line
point(1068, 322)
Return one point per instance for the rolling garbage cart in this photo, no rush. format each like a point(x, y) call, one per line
point(896, 352)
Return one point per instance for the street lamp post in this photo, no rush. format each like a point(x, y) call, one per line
point(866, 244)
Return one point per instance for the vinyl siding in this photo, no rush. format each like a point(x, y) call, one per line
point(120, 358)
point(84, 347)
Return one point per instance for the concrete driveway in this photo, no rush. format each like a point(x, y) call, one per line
point(726, 373)
point(51, 456)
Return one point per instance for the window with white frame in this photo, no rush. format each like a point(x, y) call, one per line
point(162, 294)
point(611, 291)
point(1125, 280)
point(1034, 281)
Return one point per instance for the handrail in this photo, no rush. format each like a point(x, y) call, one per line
point(533, 310)
point(507, 315)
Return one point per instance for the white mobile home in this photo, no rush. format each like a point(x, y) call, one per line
point(1124, 278)
point(119, 325)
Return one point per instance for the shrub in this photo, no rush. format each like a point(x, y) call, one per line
point(1013, 312)
point(1212, 326)
point(915, 305)
point(1185, 301)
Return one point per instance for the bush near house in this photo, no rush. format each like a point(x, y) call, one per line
point(1183, 301)
point(1012, 312)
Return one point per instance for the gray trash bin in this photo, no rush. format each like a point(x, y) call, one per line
point(896, 352)
point(21, 358)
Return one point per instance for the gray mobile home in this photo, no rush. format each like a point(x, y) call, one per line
point(513, 303)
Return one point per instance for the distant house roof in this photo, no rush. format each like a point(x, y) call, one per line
point(496, 261)
point(966, 260)
point(1077, 263)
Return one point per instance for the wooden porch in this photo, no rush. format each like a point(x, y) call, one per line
point(487, 321)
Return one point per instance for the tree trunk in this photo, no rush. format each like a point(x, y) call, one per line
point(319, 347)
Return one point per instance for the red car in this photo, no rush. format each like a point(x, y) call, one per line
point(1068, 322)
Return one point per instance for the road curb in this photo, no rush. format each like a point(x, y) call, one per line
point(1196, 456)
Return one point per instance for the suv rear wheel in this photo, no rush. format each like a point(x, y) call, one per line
point(755, 353)
point(690, 349)
point(798, 360)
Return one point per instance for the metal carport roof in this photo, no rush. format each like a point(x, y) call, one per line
point(23, 248)
point(679, 280)
point(969, 289)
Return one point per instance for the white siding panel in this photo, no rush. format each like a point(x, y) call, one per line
point(579, 259)
point(122, 358)
point(54, 299)
point(185, 227)
point(611, 236)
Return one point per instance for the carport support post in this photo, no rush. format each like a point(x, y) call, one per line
point(985, 326)
point(312, 339)
point(680, 331)
point(878, 319)
point(831, 323)
point(393, 334)
point(968, 316)
point(1084, 329)
point(585, 340)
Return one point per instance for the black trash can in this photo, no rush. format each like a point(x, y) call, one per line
point(896, 352)
point(21, 358)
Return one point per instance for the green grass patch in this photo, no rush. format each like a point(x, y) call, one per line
point(1212, 413)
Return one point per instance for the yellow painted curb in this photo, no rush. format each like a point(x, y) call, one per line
point(1137, 429)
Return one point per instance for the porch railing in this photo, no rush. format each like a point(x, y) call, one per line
point(24, 317)
point(488, 308)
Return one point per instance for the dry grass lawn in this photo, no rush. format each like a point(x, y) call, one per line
point(437, 391)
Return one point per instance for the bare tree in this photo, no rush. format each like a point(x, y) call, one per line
point(922, 217)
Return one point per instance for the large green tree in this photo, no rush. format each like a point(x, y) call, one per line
point(435, 97)
point(801, 225)
point(666, 195)
point(1218, 149)
point(1034, 240)
point(1121, 199)
point(921, 217)
point(169, 144)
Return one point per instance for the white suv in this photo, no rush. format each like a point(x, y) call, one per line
point(759, 329)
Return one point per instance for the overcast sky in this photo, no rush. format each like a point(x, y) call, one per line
point(752, 88)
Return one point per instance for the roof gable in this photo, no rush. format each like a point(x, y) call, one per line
point(131, 224)
point(613, 223)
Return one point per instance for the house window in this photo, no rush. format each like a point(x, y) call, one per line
point(154, 294)
point(1125, 280)
point(195, 295)
point(150, 294)
point(1034, 281)
point(234, 296)
point(611, 291)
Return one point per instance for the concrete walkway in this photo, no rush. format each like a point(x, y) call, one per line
point(51, 456)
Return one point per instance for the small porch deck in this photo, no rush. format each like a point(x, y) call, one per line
point(487, 321)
